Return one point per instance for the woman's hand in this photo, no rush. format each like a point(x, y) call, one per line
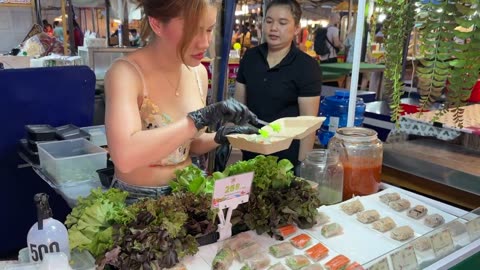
point(221, 136)
point(222, 112)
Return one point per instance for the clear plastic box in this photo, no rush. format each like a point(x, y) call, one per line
point(71, 161)
point(79, 261)
point(97, 134)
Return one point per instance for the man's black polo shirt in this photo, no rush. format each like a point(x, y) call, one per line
point(273, 93)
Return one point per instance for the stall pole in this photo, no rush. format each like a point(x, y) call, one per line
point(64, 25)
point(93, 21)
point(349, 18)
point(107, 20)
point(356, 62)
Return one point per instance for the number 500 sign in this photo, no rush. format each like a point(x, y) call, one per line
point(37, 252)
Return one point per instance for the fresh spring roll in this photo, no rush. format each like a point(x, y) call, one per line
point(297, 261)
point(238, 242)
point(339, 262)
point(389, 197)
point(277, 266)
point(399, 205)
point(248, 251)
point(223, 260)
point(384, 224)
point(368, 216)
point(317, 252)
point(286, 231)
point(281, 250)
point(417, 212)
point(321, 219)
point(259, 261)
point(315, 266)
point(331, 229)
point(300, 241)
point(352, 207)
point(402, 233)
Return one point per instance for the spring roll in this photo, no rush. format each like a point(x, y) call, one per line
point(434, 220)
point(281, 250)
point(417, 212)
point(352, 207)
point(384, 224)
point(259, 261)
point(389, 197)
point(296, 262)
point(402, 233)
point(300, 241)
point(400, 205)
point(277, 266)
point(223, 260)
point(368, 216)
point(331, 229)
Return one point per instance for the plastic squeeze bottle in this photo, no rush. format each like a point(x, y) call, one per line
point(47, 235)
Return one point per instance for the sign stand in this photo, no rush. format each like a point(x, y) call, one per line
point(228, 194)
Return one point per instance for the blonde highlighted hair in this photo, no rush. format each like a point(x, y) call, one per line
point(191, 11)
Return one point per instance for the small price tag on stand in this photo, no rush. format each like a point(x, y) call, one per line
point(380, 265)
point(442, 243)
point(473, 228)
point(228, 193)
point(404, 259)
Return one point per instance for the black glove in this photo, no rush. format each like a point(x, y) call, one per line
point(222, 112)
point(221, 136)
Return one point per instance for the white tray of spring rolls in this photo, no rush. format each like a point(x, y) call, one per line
point(361, 242)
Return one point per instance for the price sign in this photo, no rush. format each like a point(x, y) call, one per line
point(404, 259)
point(442, 243)
point(473, 228)
point(380, 265)
point(232, 190)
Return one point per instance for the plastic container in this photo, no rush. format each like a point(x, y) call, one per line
point(71, 161)
point(47, 235)
point(323, 168)
point(335, 109)
point(97, 134)
point(27, 152)
point(361, 154)
point(106, 176)
point(40, 132)
point(71, 193)
point(78, 261)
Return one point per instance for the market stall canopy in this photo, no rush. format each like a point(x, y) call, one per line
point(344, 6)
point(116, 6)
point(312, 9)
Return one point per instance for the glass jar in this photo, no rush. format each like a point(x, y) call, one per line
point(361, 154)
point(324, 168)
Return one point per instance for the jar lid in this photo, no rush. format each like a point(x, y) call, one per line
point(357, 134)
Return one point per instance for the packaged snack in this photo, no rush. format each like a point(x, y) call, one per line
point(402, 233)
point(259, 261)
point(368, 216)
point(321, 219)
point(296, 262)
point(223, 260)
point(337, 263)
point(314, 266)
point(384, 224)
point(317, 252)
point(417, 212)
point(456, 228)
point(399, 205)
point(434, 220)
point(352, 207)
point(389, 197)
point(277, 266)
point(331, 229)
point(281, 250)
point(354, 266)
point(286, 231)
point(422, 244)
point(247, 251)
point(300, 241)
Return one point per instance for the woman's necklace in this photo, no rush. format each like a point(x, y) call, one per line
point(178, 83)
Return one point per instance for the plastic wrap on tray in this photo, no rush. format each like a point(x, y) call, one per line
point(456, 228)
point(315, 266)
point(368, 216)
point(317, 252)
point(399, 205)
point(434, 220)
point(384, 224)
point(417, 212)
point(277, 266)
point(259, 261)
point(247, 251)
point(422, 244)
point(282, 249)
point(239, 241)
point(337, 263)
point(321, 219)
point(352, 207)
point(300, 241)
point(331, 229)
point(296, 262)
point(223, 260)
point(402, 233)
point(389, 197)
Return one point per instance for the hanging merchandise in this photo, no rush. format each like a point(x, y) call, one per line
point(361, 154)
point(48, 235)
point(335, 109)
point(323, 167)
